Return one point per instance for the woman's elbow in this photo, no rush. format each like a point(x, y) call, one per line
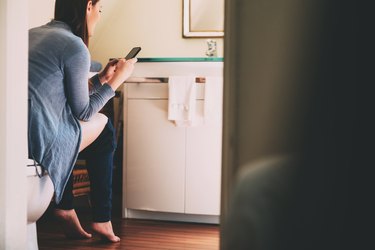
point(84, 116)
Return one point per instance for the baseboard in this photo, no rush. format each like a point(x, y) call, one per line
point(151, 215)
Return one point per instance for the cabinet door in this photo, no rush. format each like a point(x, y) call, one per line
point(155, 164)
point(203, 166)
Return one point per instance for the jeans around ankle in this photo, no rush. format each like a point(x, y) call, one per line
point(99, 161)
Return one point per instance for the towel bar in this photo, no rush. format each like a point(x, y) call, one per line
point(199, 79)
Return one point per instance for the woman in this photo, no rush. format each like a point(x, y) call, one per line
point(63, 113)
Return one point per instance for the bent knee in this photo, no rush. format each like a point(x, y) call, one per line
point(101, 118)
point(92, 129)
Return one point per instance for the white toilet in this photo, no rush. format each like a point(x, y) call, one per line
point(39, 194)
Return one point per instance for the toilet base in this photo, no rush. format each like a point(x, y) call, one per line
point(39, 194)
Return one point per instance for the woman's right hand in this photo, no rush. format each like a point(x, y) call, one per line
point(124, 69)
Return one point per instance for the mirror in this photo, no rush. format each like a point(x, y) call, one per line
point(203, 18)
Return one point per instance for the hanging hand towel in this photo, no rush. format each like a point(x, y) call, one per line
point(213, 99)
point(182, 98)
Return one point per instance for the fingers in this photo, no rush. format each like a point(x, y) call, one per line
point(124, 69)
point(129, 64)
point(113, 62)
point(133, 60)
point(108, 71)
point(119, 68)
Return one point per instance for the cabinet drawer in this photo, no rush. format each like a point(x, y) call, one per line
point(155, 90)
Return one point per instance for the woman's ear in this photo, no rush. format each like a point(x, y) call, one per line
point(89, 6)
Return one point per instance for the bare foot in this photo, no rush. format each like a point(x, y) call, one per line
point(70, 224)
point(105, 230)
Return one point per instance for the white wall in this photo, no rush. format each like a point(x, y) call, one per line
point(13, 123)
point(40, 12)
point(156, 26)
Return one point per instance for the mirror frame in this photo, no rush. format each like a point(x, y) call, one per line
point(187, 32)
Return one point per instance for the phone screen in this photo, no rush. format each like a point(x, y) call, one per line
point(133, 52)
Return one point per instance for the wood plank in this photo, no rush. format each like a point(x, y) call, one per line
point(134, 234)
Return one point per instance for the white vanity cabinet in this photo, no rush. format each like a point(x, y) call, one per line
point(155, 163)
point(170, 172)
point(203, 167)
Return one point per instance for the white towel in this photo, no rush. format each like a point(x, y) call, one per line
point(182, 99)
point(213, 99)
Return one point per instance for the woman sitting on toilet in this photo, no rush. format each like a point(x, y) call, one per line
point(63, 111)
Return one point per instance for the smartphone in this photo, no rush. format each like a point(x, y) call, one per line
point(133, 52)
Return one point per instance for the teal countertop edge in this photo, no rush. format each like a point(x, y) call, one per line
point(180, 59)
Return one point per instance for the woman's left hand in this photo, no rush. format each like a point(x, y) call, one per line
point(108, 72)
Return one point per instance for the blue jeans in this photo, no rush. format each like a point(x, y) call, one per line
point(99, 162)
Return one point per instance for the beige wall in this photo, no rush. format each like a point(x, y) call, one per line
point(40, 12)
point(155, 25)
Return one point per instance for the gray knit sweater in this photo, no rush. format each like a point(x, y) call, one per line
point(59, 64)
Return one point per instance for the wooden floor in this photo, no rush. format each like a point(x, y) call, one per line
point(134, 234)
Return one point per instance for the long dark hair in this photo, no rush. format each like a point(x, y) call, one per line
point(73, 13)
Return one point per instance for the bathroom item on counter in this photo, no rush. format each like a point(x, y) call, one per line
point(211, 48)
point(39, 194)
point(213, 99)
point(182, 100)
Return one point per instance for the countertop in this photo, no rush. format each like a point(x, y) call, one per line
point(181, 59)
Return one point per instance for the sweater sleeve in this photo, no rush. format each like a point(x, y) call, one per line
point(76, 65)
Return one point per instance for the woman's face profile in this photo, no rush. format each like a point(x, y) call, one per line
point(93, 13)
